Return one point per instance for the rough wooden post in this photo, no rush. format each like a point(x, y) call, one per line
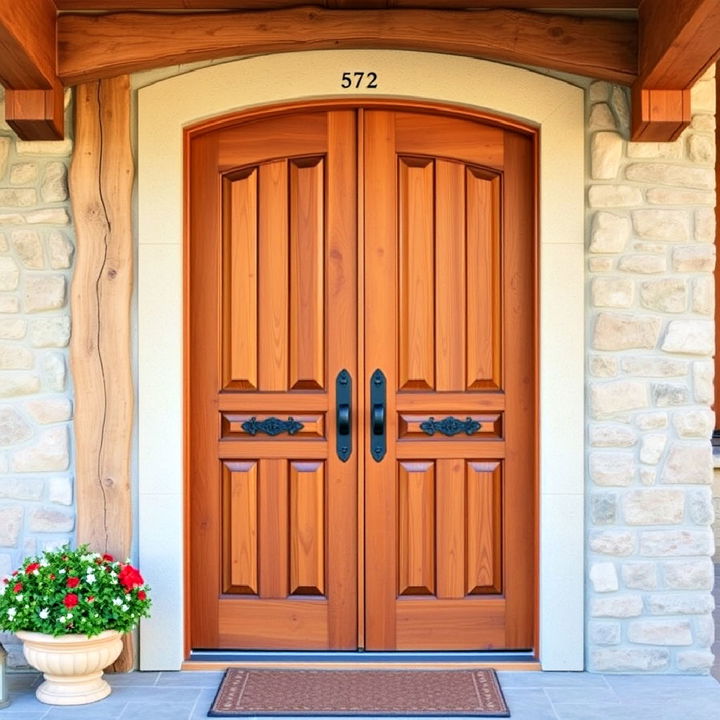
point(101, 178)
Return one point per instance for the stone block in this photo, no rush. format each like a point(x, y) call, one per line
point(617, 196)
point(51, 521)
point(680, 603)
point(621, 107)
point(705, 225)
point(20, 488)
point(702, 96)
point(620, 543)
point(629, 660)
point(655, 367)
point(660, 632)
point(601, 118)
point(701, 148)
point(618, 396)
point(605, 435)
point(44, 292)
point(617, 606)
point(11, 219)
point(655, 151)
point(23, 173)
point(599, 91)
point(650, 247)
point(15, 357)
point(693, 258)
point(9, 304)
point(60, 250)
point(639, 575)
point(18, 384)
point(13, 328)
point(44, 147)
point(648, 474)
point(60, 491)
point(703, 373)
point(54, 183)
point(11, 518)
point(667, 543)
point(48, 216)
point(654, 507)
point(612, 292)
point(689, 575)
point(50, 410)
point(603, 508)
point(705, 631)
point(679, 176)
point(9, 273)
point(50, 332)
point(603, 577)
point(652, 447)
point(697, 423)
point(703, 122)
point(673, 196)
point(658, 224)
point(29, 248)
point(604, 633)
point(643, 263)
point(600, 264)
point(700, 507)
point(53, 371)
point(49, 454)
point(703, 296)
point(692, 337)
point(606, 153)
point(695, 660)
point(669, 295)
point(670, 394)
point(14, 429)
point(612, 469)
point(651, 421)
point(626, 331)
point(603, 365)
point(18, 197)
point(5, 151)
point(688, 464)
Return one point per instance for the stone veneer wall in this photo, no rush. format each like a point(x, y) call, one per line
point(650, 311)
point(36, 253)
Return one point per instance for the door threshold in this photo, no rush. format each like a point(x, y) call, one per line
point(218, 660)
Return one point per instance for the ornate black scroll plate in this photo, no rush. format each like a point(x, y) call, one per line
point(449, 426)
point(272, 426)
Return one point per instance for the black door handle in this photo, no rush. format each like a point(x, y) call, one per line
point(343, 415)
point(378, 441)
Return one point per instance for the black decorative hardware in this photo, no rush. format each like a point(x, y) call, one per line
point(378, 443)
point(272, 426)
point(449, 426)
point(343, 400)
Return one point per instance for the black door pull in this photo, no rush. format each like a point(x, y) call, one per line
point(343, 415)
point(378, 443)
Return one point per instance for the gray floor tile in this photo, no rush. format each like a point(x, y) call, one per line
point(583, 711)
point(208, 679)
point(590, 695)
point(165, 711)
point(132, 678)
point(9, 714)
point(550, 679)
point(530, 702)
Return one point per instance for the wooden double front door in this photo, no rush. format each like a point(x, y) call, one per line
point(361, 382)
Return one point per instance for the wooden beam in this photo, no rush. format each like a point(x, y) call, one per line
point(678, 42)
point(95, 46)
point(101, 178)
point(36, 114)
point(155, 5)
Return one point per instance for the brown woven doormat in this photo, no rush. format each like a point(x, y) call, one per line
point(418, 693)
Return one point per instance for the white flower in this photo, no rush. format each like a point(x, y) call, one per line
point(124, 607)
point(90, 578)
point(12, 612)
point(35, 572)
point(44, 613)
point(19, 597)
point(117, 601)
point(69, 616)
point(62, 619)
point(44, 563)
point(62, 571)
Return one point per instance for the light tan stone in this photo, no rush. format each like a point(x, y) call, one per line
point(606, 153)
point(618, 606)
point(51, 521)
point(49, 453)
point(610, 232)
point(648, 247)
point(629, 660)
point(654, 507)
point(11, 517)
point(9, 273)
point(21, 488)
point(53, 371)
point(612, 292)
point(702, 96)
point(648, 475)
point(697, 423)
point(18, 197)
point(666, 543)
point(652, 448)
point(660, 632)
point(603, 577)
point(651, 421)
point(50, 410)
point(60, 491)
point(682, 176)
point(693, 337)
point(9, 304)
point(603, 365)
point(23, 173)
point(643, 263)
point(60, 250)
point(701, 148)
point(639, 575)
point(13, 328)
point(44, 292)
point(599, 91)
point(625, 331)
point(18, 384)
point(680, 603)
point(705, 225)
point(659, 224)
point(48, 216)
point(600, 264)
point(693, 258)
point(669, 295)
point(689, 574)
point(28, 248)
point(4, 153)
point(612, 469)
point(649, 366)
point(54, 183)
point(617, 196)
point(11, 219)
point(676, 196)
point(15, 357)
point(13, 428)
point(610, 398)
point(44, 147)
point(703, 122)
point(703, 296)
point(601, 118)
point(688, 464)
point(619, 436)
point(50, 332)
point(703, 374)
point(655, 151)
point(620, 543)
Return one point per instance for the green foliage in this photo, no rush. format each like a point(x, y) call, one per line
point(73, 591)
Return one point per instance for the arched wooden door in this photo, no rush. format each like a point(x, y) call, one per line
point(381, 259)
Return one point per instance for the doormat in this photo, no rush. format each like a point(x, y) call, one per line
point(417, 693)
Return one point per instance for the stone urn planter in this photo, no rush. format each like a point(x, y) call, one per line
point(72, 665)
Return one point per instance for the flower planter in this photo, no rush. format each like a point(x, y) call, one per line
point(72, 665)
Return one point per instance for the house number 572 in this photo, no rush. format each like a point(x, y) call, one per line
point(359, 80)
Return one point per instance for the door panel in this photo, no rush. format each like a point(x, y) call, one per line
point(449, 509)
point(272, 219)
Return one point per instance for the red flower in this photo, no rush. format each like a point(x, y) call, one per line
point(108, 558)
point(73, 582)
point(70, 600)
point(90, 598)
point(130, 577)
point(142, 595)
point(17, 588)
point(52, 576)
point(31, 568)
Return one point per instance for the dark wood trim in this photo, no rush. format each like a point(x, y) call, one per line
point(95, 46)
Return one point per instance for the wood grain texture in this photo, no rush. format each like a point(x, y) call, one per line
point(451, 522)
point(108, 5)
point(484, 540)
point(307, 528)
point(659, 115)
point(240, 566)
point(36, 114)
point(101, 178)
point(94, 46)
